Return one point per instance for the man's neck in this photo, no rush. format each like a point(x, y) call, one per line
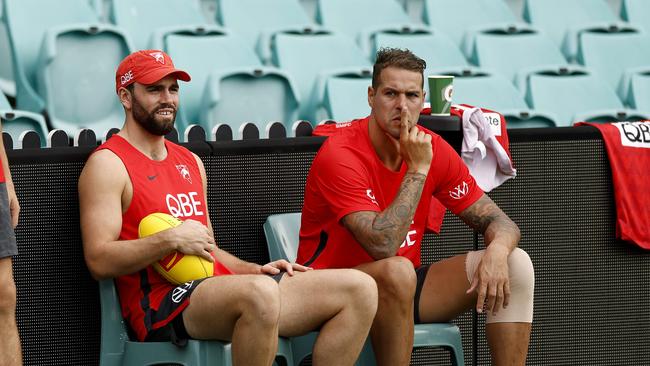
point(150, 145)
point(386, 147)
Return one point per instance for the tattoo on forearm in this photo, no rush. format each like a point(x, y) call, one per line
point(485, 212)
point(382, 234)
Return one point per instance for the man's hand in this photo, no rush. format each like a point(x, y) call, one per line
point(282, 265)
point(491, 280)
point(415, 145)
point(192, 237)
point(14, 207)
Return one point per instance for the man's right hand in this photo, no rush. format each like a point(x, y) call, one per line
point(415, 145)
point(192, 237)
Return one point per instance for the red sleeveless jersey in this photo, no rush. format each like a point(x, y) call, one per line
point(172, 186)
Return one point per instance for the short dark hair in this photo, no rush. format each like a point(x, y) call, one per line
point(399, 58)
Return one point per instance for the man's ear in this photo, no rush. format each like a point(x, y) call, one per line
point(125, 98)
point(371, 95)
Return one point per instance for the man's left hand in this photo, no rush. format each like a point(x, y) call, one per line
point(282, 265)
point(491, 280)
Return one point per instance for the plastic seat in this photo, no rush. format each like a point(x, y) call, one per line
point(257, 20)
point(27, 22)
point(142, 18)
point(328, 54)
point(117, 349)
point(281, 233)
point(360, 19)
point(82, 62)
point(16, 122)
point(615, 53)
point(7, 80)
point(236, 87)
point(639, 91)
point(345, 98)
point(573, 94)
point(459, 18)
point(512, 50)
point(636, 12)
point(561, 20)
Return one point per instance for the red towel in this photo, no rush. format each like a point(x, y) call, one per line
point(628, 149)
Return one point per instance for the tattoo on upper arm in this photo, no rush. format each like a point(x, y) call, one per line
point(484, 212)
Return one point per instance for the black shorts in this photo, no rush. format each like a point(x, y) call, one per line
point(8, 246)
point(421, 274)
point(175, 330)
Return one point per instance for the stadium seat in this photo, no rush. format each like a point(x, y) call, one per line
point(142, 18)
point(614, 53)
point(76, 77)
point(227, 62)
point(514, 50)
point(27, 22)
point(345, 97)
point(573, 94)
point(561, 20)
point(360, 19)
point(281, 231)
point(639, 91)
point(15, 122)
point(636, 12)
point(494, 92)
point(460, 18)
point(434, 47)
point(311, 58)
point(7, 82)
point(257, 20)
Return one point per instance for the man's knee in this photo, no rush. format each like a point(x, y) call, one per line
point(522, 273)
point(7, 298)
point(261, 299)
point(396, 278)
point(361, 289)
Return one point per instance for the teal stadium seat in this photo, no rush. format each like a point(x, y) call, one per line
point(461, 18)
point(310, 58)
point(7, 82)
point(76, 77)
point(614, 53)
point(142, 19)
point(574, 94)
point(639, 91)
point(493, 91)
point(26, 22)
point(361, 19)
point(15, 122)
point(345, 97)
point(257, 20)
point(253, 93)
point(117, 348)
point(637, 12)
point(561, 20)
point(281, 233)
point(435, 47)
point(514, 50)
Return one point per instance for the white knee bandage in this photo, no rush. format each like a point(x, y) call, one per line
point(522, 287)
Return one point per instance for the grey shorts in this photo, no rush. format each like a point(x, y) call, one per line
point(8, 246)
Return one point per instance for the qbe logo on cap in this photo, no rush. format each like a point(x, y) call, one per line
point(634, 134)
point(128, 76)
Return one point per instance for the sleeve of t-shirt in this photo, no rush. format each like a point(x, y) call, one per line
point(454, 186)
point(343, 182)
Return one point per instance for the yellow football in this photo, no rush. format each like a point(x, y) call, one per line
point(176, 267)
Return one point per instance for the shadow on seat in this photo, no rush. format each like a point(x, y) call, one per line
point(281, 233)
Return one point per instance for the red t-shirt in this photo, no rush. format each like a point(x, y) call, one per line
point(173, 186)
point(347, 176)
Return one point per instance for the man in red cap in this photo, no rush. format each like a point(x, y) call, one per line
point(138, 172)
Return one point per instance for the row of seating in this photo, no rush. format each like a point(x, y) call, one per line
point(232, 83)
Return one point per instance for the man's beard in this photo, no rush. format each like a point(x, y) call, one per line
point(148, 120)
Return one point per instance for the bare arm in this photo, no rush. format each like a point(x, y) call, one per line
point(14, 207)
point(487, 218)
point(381, 234)
point(102, 186)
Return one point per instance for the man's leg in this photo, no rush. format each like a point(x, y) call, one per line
point(341, 302)
point(10, 353)
point(444, 297)
point(243, 309)
point(392, 329)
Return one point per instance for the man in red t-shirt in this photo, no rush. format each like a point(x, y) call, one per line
point(138, 172)
point(367, 199)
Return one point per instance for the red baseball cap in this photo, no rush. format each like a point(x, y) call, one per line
point(146, 67)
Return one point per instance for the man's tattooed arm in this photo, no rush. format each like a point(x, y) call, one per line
point(381, 234)
point(487, 218)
